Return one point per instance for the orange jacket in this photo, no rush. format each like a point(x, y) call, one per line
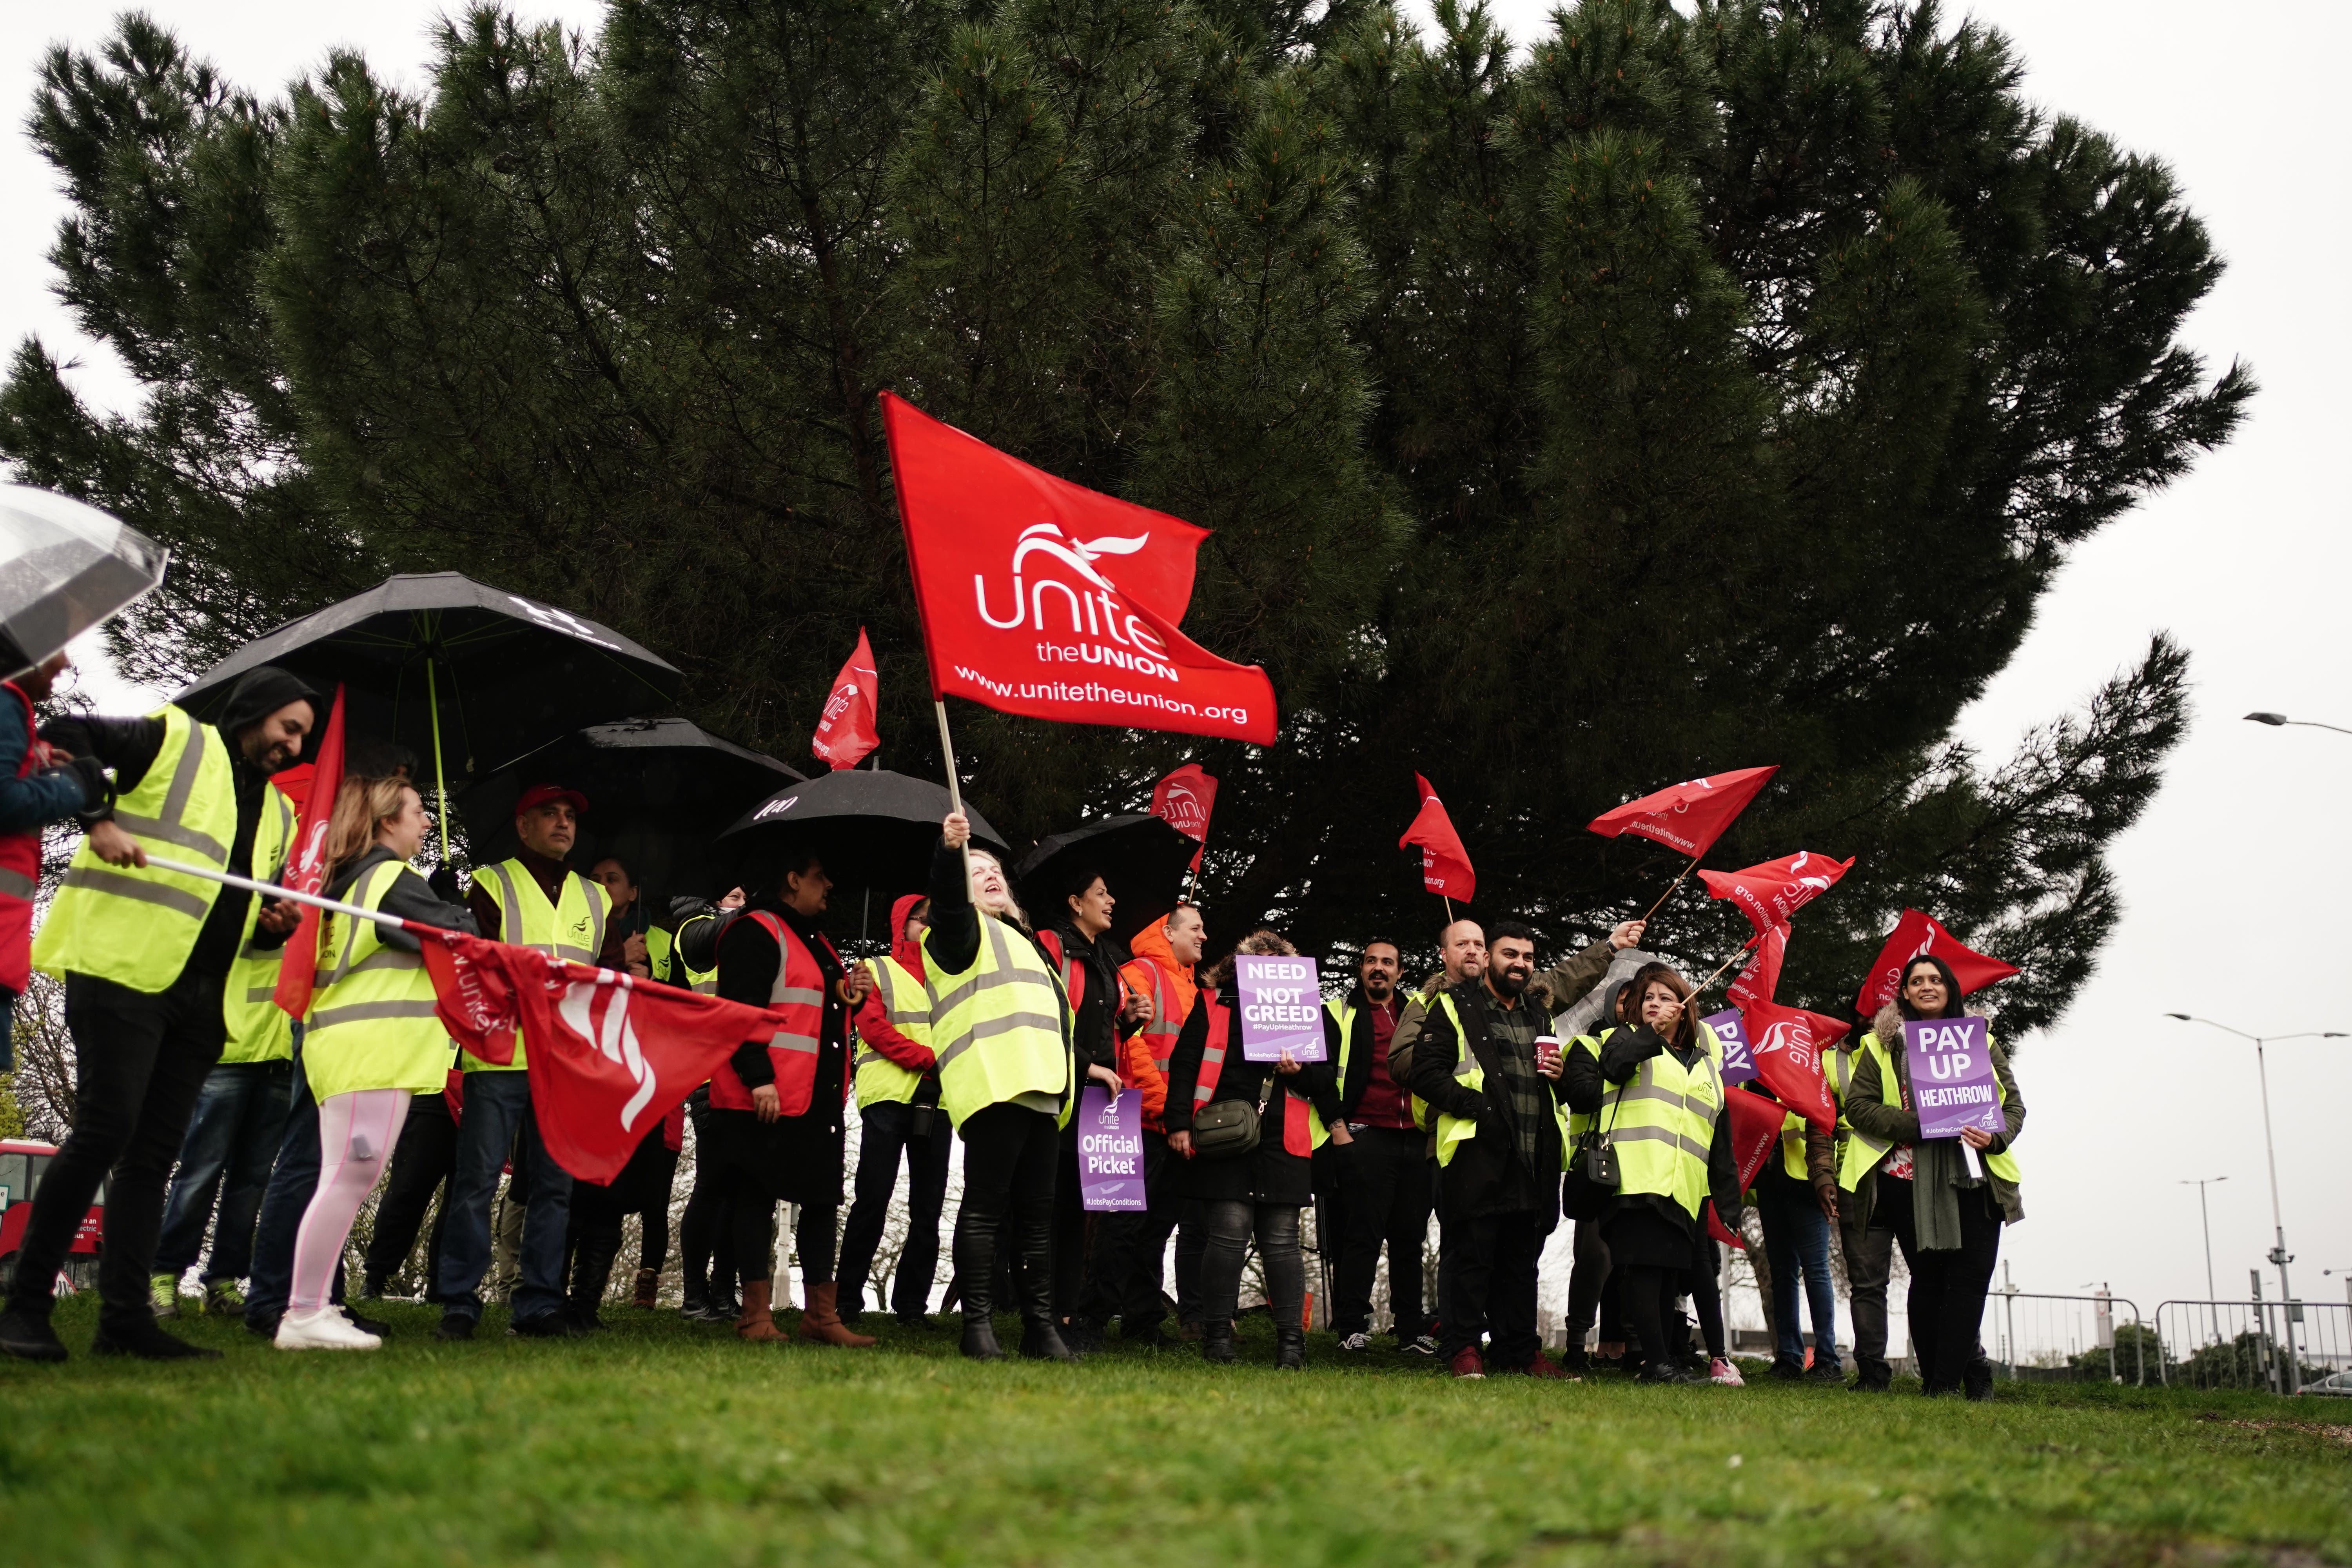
point(1153, 965)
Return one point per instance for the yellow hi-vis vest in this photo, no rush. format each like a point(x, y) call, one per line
point(1863, 1154)
point(703, 980)
point(1661, 1122)
point(258, 1029)
point(658, 943)
point(908, 1006)
point(1453, 1131)
point(572, 928)
point(372, 1023)
point(1857, 1154)
point(1002, 1027)
point(138, 927)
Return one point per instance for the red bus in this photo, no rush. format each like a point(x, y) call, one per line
point(22, 1166)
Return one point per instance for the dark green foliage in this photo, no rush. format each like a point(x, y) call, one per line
point(1698, 391)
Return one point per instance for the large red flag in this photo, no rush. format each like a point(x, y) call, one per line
point(1760, 981)
point(1756, 1124)
point(608, 1054)
point(1184, 800)
point(1917, 936)
point(1444, 864)
point(845, 734)
point(1770, 893)
point(1788, 1043)
point(306, 864)
point(1073, 597)
point(1688, 816)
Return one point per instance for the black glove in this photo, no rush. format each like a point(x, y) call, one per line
point(96, 789)
point(443, 883)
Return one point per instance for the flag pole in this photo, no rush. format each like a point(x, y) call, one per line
point(1449, 907)
point(1672, 886)
point(1727, 963)
point(955, 790)
point(273, 891)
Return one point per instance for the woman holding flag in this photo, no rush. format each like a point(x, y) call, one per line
point(373, 1038)
point(1945, 1199)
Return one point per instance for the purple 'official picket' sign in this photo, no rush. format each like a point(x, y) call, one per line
point(1111, 1150)
point(1282, 1007)
point(1738, 1061)
point(1952, 1081)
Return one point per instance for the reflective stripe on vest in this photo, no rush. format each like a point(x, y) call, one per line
point(1002, 1027)
point(798, 993)
point(1453, 1131)
point(527, 919)
point(373, 1024)
point(1344, 1014)
point(1662, 1126)
point(137, 927)
point(906, 1007)
point(258, 1029)
point(705, 981)
point(1160, 1034)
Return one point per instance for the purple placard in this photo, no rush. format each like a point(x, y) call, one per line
point(1111, 1150)
point(1282, 1007)
point(1731, 1033)
point(1952, 1081)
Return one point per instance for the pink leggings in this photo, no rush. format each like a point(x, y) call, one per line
point(356, 1132)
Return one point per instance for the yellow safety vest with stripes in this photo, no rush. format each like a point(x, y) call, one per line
point(1857, 1153)
point(703, 980)
point(1661, 1121)
point(907, 1007)
point(1002, 1025)
point(1453, 1130)
point(135, 926)
point(572, 928)
point(1862, 1154)
point(258, 1029)
point(372, 1023)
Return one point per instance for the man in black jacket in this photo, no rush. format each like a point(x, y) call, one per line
point(1384, 1188)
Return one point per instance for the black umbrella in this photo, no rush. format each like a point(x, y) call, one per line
point(1141, 856)
point(659, 793)
point(461, 673)
point(875, 829)
point(64, 567)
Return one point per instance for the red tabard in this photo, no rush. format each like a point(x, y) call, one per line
point(1074, 974)
point(1296, 1137)
point(799, 995)
point(20, 868)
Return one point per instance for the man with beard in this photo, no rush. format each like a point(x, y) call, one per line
point(1384, 1187)
point(145, 955)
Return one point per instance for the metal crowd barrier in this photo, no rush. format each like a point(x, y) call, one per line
point(2286, 1347)
point(2033, 1338)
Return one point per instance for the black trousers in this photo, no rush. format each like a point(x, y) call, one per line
point(1490, 1289)
point(1072, 1296)
point(1226, 1227)
point(421, 1161)
point(884, 1133)
point(1130, 1249)
point(1948, 1287)
point(707, 1230)
point(753, 1218)
point(1385, 1198)
point(1010, 1155)
point(1586, 1281)
point(140, 1060)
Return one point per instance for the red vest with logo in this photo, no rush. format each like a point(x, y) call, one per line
point(799, 995)
point(1297, 1138)
point(20, 868)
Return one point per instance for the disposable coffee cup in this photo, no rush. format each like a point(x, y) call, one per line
point(1546, 1048)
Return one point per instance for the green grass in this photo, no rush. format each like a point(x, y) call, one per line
point(667, 1442)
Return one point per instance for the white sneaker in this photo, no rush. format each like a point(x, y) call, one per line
point(322, 1329)
point(1357, 1342)
point(1723, 1372)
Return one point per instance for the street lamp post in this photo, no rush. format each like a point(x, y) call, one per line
point(2280, 1257)
point(2212, 1294)
point(2277, 719)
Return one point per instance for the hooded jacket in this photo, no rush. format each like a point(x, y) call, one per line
point(1154, 959)
point(874, 1021)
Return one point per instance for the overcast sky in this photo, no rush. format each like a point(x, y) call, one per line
point(2231, 882)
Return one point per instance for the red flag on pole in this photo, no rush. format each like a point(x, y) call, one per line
point(1043, 598)
point(1184, 800)
point(1770, 893)
point(1917, 936)
point(845, 734)
point(1761, 980)
point(608, 1054)
point(1788, 1043)
point(1444, 864)
point(306, 864)
point(1688, 816)
point(1756, 1126)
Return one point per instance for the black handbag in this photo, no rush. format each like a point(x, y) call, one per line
point(1224, 1130)
point(1592, 1179)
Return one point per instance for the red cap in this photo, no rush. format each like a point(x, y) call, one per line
point(539, 794)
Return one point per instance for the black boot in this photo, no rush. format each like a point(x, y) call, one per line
point(140, 1337)
point(1289, 1347)
point(975, 1256)
point(24, 1333)
point(1041, 1340)
point(1977, 1381)
point(592, 1271)
point(1217, 1341)
point(1872, 1376)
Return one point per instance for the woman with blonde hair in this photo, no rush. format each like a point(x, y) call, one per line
point(372, 1040)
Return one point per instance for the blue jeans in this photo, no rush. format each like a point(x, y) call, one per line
point(1797, 1244)
point(497, 1105)
point(230, 1146)
point(291, 1183)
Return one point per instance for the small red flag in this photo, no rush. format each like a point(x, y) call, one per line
point(1184, 800)
point(1917, 936)
point(1760, 981)
point(845, 734)
point(306, 864)
point(1770, 893)
point(1444, 864)
point(1788, 1043)
point(1688, 816)
point(1046, 599)
point(1756, 1127)
point(608, 1054)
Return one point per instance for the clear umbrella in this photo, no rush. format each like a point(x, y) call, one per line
point(64, 567)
